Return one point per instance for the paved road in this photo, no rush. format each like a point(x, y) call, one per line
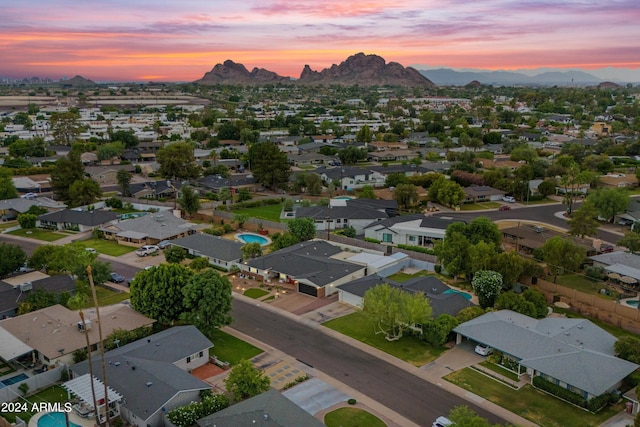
point(395, 388)
point(541, 213)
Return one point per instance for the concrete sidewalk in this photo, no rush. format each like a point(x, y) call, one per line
point(427, 373)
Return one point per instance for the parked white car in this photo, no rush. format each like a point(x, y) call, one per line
point(442, 422)
point(483, 350)
point(509, 199)
point(147, 250)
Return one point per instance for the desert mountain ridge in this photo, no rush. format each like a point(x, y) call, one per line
point(361, 69)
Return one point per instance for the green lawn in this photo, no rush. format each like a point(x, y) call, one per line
point(403, 277)
point(255, 293)
point(230, 349)
point(107, 297)
point(8, 224)
point(269, 212)
point(51, 394)
point(530, 403)
point(500, 370)
point(408, 348)
point(352, 417)
point(40, 234)
point(584, 284)
point(107, 247)
point(479, 206)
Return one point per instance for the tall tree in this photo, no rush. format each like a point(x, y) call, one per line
point(124, 182)
point(207, 300)
point(406, 195)
point(245, 381)
point(65, 127)
point(609, 202)
point(562, 255)
point(269, 165)
point(12, 257)
point(487, 285)
point(84, 192)
point(66, 171)
point(367, 192)
point(584, 221)
point(7, 188)
point(251, 250)
point(157, 292)
point(510, 265)
point(392, 310)
point(631, 241)
point(189, 201)
point(302, 228)
point(364, 134)
point(177, 162)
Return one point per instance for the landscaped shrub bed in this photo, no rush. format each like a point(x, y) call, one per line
point(417, 249)
point(255, 203)
point(592, 405)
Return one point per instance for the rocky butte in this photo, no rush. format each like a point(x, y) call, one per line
point(359, 69)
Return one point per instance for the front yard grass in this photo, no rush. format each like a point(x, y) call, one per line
point(408, 348)
point(583, 284)
point(8, 224)
point(255, 293)
point(269, 212)
point(403, 277)
point(106, 297)
point(530, 403)
point(352, 417)
point(39, 234)
point(107, 247)
point(479, 206)
point(230, 349)
point(51, 394)
point(499, 370)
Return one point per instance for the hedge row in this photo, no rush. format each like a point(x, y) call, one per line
point(417, 249)
point(592, 405)
point(256, 203)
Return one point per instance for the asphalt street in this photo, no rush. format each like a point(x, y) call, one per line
point(395, 388)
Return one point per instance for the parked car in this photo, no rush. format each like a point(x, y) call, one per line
point(483, 350)
point(147, 250)
point(504, 208)
point(116, 278)
point(442, 422)
point(509, 199)
point(29, 196)
point(164, 244)
point(625, 222)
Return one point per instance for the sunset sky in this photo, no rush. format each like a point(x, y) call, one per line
point(164, 40)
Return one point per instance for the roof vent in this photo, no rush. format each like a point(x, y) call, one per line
point(117, 364)
point(149, 384)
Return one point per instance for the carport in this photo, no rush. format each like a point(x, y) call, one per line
point(12, 347)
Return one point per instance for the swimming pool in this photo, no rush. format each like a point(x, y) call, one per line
point(15, 379)
point(632, 302)
point(455, 291)
point(54, 419)
point(253, 238)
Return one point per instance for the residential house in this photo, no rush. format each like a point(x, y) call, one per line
point(526, 238)
point(107, 175)
point(235, 182)
point(619, 265)
point(268, 409)
point(414, 230)
point(312, 268)
point(11, 208)
point(618, 180)
point(338, 217)
point(71, 219)
point(482, 193)
point(14, 290)
point(570, 353)
point(220, 252)
point(308, 158)
point(350, 177)
point(443, 300)
point(149, 229)
point(391, 155)
point(54, 333)
point(153, 374)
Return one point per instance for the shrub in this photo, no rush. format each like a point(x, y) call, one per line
point(369, 239)
point(297, 381)
point(351, 401)
point(417, 249)
point(560, 392)
point(437, 268)
point(114, 203)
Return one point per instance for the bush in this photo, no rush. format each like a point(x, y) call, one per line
point(417, 249)
point(214, 231)
point(297, 381)
point(114, 203)
point(351, 401)
point(560, 392)
point(27, 221)
point(369, 239)
point(437, 268)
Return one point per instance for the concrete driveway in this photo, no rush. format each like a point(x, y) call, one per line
point(315, 395)
point(459, 357)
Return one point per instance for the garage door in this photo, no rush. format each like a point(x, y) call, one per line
point(307, 289)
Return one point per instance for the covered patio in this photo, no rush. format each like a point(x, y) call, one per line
point(81, 387)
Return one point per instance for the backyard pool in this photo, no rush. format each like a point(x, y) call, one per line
point(15, 379)
point(632, 302)
point(54, 419)
point(253, 238)
point(455, 291)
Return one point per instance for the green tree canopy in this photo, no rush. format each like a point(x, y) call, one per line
point(393, 310)
point(406, 195)
point(157, 292)
point(302, 228)
point(12, 257)
point(84, 192)
point(7, 188)
point(609, 202)
point(584, 221)
point(436, 332)
point(245, 381)
point(562, 255)
point(189, 201)
point(251, 250)
point(207, 300)
point(177, 162)
point(487, 285)
point(367, 192)
point(352, 155)
point(269, 165)
point(175, 254)
point(631, 241)
point(123, 177)
point(65, 127)
point(66, 172)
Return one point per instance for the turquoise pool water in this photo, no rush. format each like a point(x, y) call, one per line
point(343, 198)
point(454, 291)
point(632, 303)
point(16, 379)
point(253, 238)
point(54, 419)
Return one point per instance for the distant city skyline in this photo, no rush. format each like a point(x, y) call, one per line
point(144, 40)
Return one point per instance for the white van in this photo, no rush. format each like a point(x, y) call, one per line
point(442, 422)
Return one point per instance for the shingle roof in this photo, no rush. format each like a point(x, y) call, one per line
point(88, 218)
point(425, 221)
point(323, 212)
point(571, 350)
point(211, 246)
point(618, 257)
point(157, 226)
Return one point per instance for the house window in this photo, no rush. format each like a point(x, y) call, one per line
point(189, 359)
point(412, 238)
point(339, 221)
point(201, 354)
point(386, 237)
